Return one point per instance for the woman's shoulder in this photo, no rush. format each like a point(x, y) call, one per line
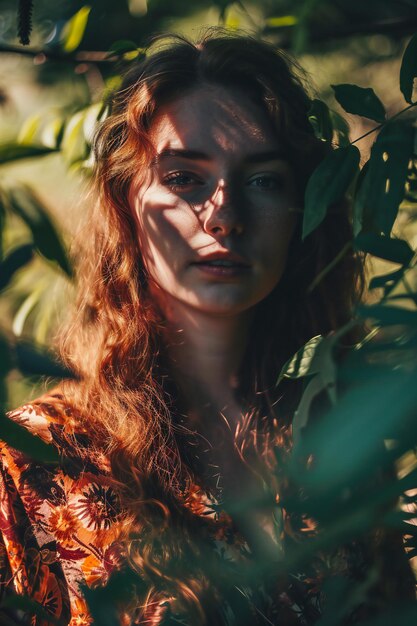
point(55, 420)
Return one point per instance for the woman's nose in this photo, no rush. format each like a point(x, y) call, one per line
point(221, 216)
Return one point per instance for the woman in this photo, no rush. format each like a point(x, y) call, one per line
point(193, 292)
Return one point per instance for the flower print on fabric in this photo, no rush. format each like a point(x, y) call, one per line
point(60, 529)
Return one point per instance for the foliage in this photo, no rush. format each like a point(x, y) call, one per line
point(367, 423)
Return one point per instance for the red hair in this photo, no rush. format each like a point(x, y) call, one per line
point(112, 340)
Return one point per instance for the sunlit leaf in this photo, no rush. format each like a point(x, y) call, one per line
point(74, 29)
point(45, 236)
point(90, 121)
point(408, 71)
point(281, 21)
point(52, 133)
point(29, 130)
point(74, 145)
point(24, 311)
point(319, 118)
point(394, 250)
point(383, 186)
point(328, 185)
point(13, 262)
point(301, 363)
point(360, 101)
point(14, 151)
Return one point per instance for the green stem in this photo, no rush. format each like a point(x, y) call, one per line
point(410, 106)
point(330, 266)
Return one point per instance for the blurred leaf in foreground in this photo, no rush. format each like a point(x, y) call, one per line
point(74, 29)
point(13, 262)
point(15, 151)
point(26, 204)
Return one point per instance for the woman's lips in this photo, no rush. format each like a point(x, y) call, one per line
point(222, 268)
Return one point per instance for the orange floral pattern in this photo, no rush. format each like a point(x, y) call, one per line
point(60, 524)
point(57, 524)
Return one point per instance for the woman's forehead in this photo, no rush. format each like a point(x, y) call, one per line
point(211, 120)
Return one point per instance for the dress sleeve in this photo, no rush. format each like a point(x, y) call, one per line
point(29, 569)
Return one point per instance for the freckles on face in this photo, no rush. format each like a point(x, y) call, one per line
point(213, 214)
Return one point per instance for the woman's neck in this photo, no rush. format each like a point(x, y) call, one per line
point(205, 353)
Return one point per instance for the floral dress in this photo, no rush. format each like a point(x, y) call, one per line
point(60, 526)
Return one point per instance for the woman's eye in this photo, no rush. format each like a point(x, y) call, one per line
point(179, 180)
point(266, 181)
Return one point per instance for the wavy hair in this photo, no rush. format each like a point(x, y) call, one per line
point(112, 340)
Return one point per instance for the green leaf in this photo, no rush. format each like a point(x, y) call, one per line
point(3, 202)
point(123, 47)
point(24, 311)
point(103, 602)
point(29, 607)
point(222, 5)
point(302, 414)
point(74, 29)
point(408, 71)
point(34, 360)
point(46, 239)
point(14, 261)
point(394, 250)
point(74, 145)
point(281, 21)
point(14, 151)
point(347, 441)
point(6, 361)
point(386, 281)
point(389, 315)
point(360, 101)
point(29, 130)
point(383, 186)
point(53, 132)
point(328, 185)
point(341, 128)
point(18, 437)
point(343, 596)
point(300, 364)
point(319, 118)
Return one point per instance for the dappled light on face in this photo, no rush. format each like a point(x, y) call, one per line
point(213, 219)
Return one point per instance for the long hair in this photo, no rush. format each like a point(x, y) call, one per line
point(112, 340)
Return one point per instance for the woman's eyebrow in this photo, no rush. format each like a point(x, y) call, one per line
point(263, 157)
point(193, 155)
point(196, 155)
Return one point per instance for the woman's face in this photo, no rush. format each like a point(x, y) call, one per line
point(213, 216)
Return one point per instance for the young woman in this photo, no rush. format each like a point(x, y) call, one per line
point(193, 292)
